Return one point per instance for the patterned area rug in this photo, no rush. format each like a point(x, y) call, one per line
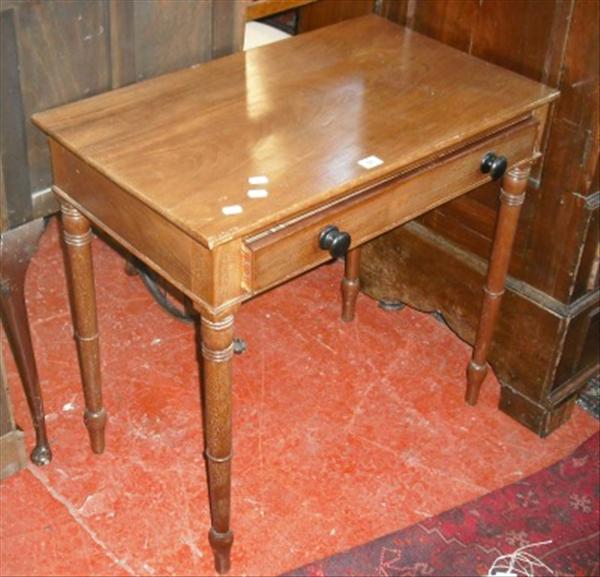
point(559, 503)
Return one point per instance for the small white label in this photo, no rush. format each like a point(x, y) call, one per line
point(258, 193)
point(258, 180)
point(232, 209)
point(370, 162)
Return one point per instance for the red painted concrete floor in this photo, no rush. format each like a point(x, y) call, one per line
point(343, 432)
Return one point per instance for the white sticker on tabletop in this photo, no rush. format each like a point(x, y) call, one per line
point(370, 162)
point(258, 193)
point(232, 209)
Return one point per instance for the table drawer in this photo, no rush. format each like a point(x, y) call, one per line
point(293, 247)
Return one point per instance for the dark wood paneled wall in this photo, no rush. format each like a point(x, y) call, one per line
point(547, 343)
point(53, 52)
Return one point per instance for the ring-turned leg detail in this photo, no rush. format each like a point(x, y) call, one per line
point(77, 236)
point(217, 353)
point(350, 284)
point(512, 196)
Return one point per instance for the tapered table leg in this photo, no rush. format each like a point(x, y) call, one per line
point(350, 284)
point(16, 249)
point(77, 236)
point(217, 353)
point(512, 196)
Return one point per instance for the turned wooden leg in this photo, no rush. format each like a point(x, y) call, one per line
point(17, 246)
point(77, 236)
point(350, 284)
point(512, 196)
point(217, 352)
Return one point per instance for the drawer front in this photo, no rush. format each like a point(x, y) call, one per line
point(292, 248)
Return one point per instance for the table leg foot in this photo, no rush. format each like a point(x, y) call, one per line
point(350, 284)
point(77, 236)
point(511, 199)
point(221, 545)
point(95, 423)
point(475, 376)
point(41, 454)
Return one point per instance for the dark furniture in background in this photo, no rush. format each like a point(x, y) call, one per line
point(54, 52)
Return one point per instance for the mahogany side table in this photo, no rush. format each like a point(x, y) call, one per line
point(237, 175)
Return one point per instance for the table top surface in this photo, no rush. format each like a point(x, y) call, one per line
point(301, 112)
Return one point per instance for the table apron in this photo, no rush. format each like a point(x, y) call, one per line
point(185, 263)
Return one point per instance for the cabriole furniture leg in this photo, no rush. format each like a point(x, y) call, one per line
point(512, 195)
point(217, 353)
point(16, 249)
point(350, 284)
point(77, 236)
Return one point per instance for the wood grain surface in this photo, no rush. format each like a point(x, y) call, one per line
point(302, 113)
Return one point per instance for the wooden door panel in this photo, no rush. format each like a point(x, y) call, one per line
point(449, 22)
point(16, 200)
point(170, 35)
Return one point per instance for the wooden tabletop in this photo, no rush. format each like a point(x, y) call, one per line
point(301, 112)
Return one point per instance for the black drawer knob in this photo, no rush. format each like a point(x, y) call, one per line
point(495, 165)
point(335, 241)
